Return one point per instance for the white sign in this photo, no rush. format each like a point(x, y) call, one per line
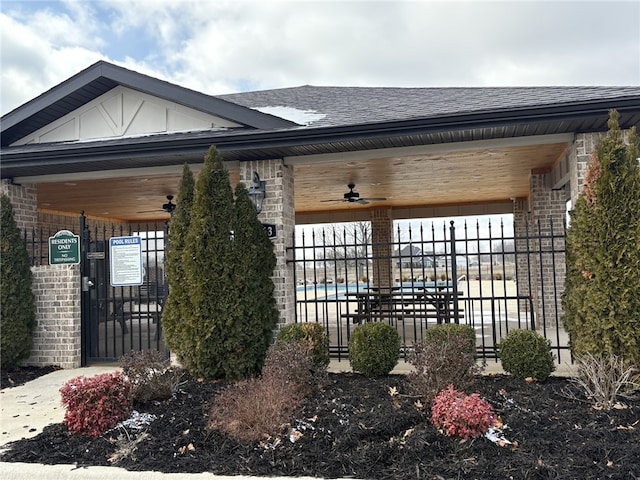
point(126, 261)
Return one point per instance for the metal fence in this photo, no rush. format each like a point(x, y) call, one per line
point(494, 278)
point(419, 275)
point(115, 319)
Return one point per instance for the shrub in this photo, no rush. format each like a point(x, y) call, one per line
point(96, 404)
point(314, 334)
point(224, 314)
point(602, 290)
point(603, 379)
point(457, 414)
point(252, 409)
point(374, 349)
point(447, 357)
point(526, 354)
point(441, 335)
point(17, 303)
point(178, 333)
point(151, 376)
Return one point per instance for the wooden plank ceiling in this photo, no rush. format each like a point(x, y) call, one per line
point(439, 179)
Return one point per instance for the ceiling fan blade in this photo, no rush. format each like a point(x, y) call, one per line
point(152, 211)
point(362, 201)
point(375, 199)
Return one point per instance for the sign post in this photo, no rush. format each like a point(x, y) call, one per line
point(126, 261)
point(64, 248)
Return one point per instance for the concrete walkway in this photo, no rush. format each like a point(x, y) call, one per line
point(27, 409)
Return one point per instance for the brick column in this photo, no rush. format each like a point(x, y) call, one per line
point(548, 208)
point(57, 339)
point(25, 204)
point(580, 156)
point(521, 224)
point(382, 245)
point(278, 209)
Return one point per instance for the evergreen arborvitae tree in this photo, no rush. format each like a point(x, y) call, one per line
point(255, 262)
point(17, 307)
point(173, 310)
point(214, 305)
point(602, 291)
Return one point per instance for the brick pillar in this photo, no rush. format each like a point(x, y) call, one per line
point(580, 156)
point(57, 339)
point(382, 245)
point(548, 209)
point(25, 203)
point(277, 209)
point(522, 244)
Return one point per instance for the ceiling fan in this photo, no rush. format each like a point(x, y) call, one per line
point(168, 207)
point(354, 197)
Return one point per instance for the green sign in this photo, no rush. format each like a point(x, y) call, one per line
point(64, 248)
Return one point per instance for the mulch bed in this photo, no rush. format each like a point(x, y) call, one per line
point(21, 375)
point(352, 429)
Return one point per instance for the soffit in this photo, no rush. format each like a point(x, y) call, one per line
point(465, 177)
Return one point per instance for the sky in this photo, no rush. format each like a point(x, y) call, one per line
point(218, 47)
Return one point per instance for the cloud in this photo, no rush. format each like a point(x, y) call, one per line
point(229, 46)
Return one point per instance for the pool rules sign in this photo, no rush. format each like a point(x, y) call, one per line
point(126, 261)
point(64, 248)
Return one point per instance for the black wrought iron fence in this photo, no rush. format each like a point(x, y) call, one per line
point(116, 319)
point(414, 276)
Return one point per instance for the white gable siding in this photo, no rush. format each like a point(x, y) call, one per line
point(123, 112)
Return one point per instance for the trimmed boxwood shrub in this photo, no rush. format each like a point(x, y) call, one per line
point(314, 334)
point(374, 349)
point(525, 353)
point(441, 334)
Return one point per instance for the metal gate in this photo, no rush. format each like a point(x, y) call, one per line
point(119, 319)
point(415, 275)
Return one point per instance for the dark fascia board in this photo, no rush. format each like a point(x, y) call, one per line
point(146, 84)
point(262, 142)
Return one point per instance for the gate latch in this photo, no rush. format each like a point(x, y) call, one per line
point(86, 283)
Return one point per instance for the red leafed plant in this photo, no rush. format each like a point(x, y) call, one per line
point(96, 404)
point(457, 414)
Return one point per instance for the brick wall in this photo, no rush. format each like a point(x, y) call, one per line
point(24, 200)
point(277, 209)
point(548, 209)
point(580, 156)
point(57, 339)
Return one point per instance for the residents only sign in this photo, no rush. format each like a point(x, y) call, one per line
point(64, 248)
point(126, 261)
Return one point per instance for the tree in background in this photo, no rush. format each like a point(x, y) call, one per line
point(17, 305)
point(226, 312)
point(602, 292)
point(172, 312)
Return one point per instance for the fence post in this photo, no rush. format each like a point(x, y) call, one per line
point(85, 294)
point(454, 272)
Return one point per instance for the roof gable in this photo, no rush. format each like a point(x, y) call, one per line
point(122, 112)
point(102, 77)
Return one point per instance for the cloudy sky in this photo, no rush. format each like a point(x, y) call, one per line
point(219, 47)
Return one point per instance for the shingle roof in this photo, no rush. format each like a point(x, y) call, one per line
point(101, 77)
point(360, 105)
point(339, 119)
